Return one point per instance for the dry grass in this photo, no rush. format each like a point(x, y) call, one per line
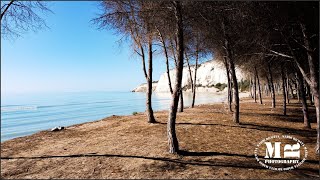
point(129, 147)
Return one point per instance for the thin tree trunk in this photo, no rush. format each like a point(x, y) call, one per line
point(250, 88)
point(181, 101)
point(229, 84)
point(303, 101)
point(316, 104)
point(269, 86)
point(149, 110)
point(309, 94)
point(273, 95)
point(230, 91)
point(171, 130)
point(167, 59)
point(195, 81)
point(284, 92)
point(291, 89)
point(287, 88)
point(313, 81)
point(229, 54)
point(150, 115)
point(236, 114)
point(298, 90)
point(259, 90)
point(190, 72)
point(255, 87)
point(173, 52)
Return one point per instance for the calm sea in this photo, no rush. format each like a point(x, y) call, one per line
point(25, 114)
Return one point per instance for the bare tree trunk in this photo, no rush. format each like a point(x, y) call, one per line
point(303, 101)
point(190, 72)
point(259, 89)
point(236, 113)
point(229, 85)
point(291, 89)
point(273, 95)
point(255, 87)
point(181, 101)
point(150, 115)
point(316, 104)
point(230, 58)
point(167, 59)
point(250, 88)
point(309, 94)
point(287, 88)
point(267, 87)
point(195, 81)
point(314, 89)
point(173, 52)
point(284, 92)
point(298, 90)
point(149, 110)
point(313, 81)
point(230, 91)
point(278, 87)
point(171, 130)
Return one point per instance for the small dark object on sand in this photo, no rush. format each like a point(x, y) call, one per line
point(59, 128)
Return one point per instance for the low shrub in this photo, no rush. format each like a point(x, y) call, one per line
point(220, 86)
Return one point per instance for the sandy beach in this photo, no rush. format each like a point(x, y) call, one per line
point(129, 147)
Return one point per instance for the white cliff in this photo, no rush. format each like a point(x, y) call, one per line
point(143, 87)
point(208, 75)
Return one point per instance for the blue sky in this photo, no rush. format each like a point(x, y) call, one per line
point(72, 55)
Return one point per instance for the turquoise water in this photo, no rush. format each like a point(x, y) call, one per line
point(25, 114)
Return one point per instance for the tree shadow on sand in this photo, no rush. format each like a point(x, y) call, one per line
point(245, 161)
point(294, 117)
point(301, 132)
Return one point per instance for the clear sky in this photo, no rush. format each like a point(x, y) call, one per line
point(72, 55)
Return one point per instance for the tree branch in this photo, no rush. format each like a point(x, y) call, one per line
point(6, 9)
point(281, 54)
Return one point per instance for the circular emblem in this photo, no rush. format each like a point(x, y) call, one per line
point(280, 152)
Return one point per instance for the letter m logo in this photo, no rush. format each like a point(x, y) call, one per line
point(272, 149)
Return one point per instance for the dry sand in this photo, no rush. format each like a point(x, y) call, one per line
point(129, 147)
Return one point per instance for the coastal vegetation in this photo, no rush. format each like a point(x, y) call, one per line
point(220, 86)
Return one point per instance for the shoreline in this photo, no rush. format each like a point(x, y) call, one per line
point(242, 94)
